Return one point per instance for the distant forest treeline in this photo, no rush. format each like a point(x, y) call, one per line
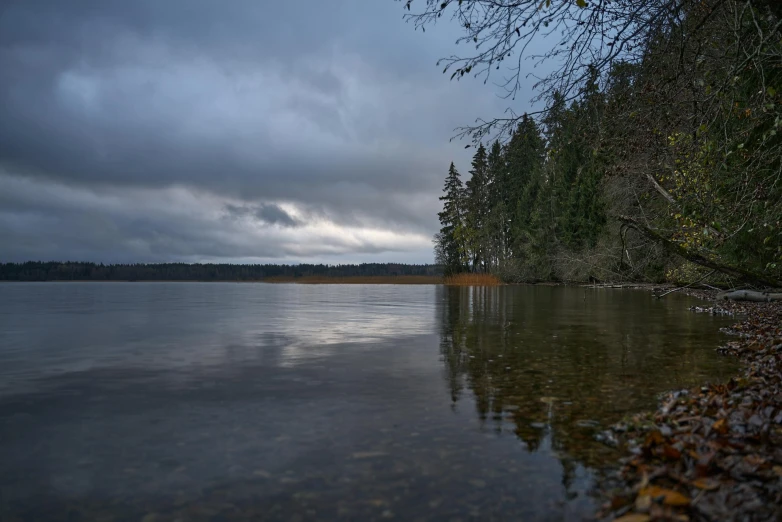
point(74, 271)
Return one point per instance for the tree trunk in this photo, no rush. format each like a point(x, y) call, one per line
point(749, 295)
point(694, 257)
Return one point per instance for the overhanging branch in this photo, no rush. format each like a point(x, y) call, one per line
point(698, 259)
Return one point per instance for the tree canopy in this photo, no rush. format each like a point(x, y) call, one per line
point(660, 129)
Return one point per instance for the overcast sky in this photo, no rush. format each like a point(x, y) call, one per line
point(241, 131)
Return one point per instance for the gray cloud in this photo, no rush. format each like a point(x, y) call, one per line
point(269, 213)
point(274, 215)
point(301, 117)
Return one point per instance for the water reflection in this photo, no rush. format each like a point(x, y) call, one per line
point(558, 363)
point(261, 402)
point(50, 329)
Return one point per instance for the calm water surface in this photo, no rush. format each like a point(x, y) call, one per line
point(190, 401)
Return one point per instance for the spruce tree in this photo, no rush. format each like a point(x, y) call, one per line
point(476, 209)
point(448, 249)
point(524, 156)
point(496, 217)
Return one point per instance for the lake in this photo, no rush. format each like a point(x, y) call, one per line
point(220, 401)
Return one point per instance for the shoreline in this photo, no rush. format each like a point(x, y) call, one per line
point(714, 452)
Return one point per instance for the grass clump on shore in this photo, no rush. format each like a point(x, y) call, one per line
point(472, 280)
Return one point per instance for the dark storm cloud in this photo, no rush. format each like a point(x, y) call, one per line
point(176, 223)
point(275, 215)
point(265, 212)
point(333, 107)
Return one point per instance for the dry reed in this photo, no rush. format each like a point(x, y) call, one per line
point(472, 280)
point(360, 280)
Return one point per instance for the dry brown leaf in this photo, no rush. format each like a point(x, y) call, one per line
point(706, 484)
point(644, 480)
point(654, 438)
point(670, 497)
point(671, 453)
point(643, 503)
point(721, 426)
point(633, 517)
point(619, 501)
point(755, 460)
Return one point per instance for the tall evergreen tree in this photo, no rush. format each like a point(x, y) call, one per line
point(448, 249)
point(476, 198)
point(497, 215)
point(524, 157)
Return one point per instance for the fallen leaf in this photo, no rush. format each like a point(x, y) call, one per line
point(706, 484)
point(721, 426)
point(643, 503)
point(755, 460)
point(669, 496)
point(644, 480)
point(633, 517)
point(671, 453)
point(619, 501)
point(654, 438)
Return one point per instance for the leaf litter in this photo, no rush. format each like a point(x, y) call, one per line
point(712, 453)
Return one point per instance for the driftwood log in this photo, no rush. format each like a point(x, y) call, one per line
point(749, 295)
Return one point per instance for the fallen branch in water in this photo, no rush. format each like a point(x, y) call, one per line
point(685, 286)
point(749, 295)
